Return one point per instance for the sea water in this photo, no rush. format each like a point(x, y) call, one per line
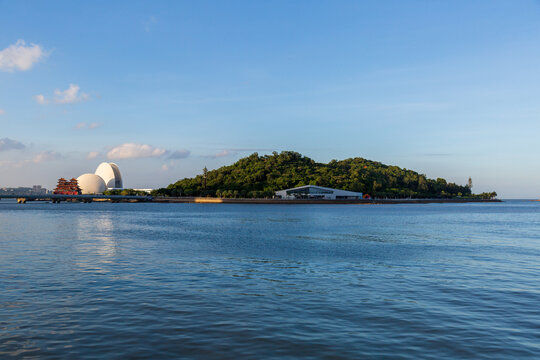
point(148, 280)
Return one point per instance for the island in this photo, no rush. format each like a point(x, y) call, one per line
point(259, 177)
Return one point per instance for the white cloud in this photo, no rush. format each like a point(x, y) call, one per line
point(40, 99)
point(92, 155)
point(70, 95)
point(80, 125)
point(223, 153)
point(38, 158)
point(132, 151)
point(9, 144)
point(94, 125)
point(46, 156)
point(20, 57)
point(180, 154)
point(2, 112)
point(164, 167)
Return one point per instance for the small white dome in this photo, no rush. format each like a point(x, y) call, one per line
point(110, 173)
point(91, 184)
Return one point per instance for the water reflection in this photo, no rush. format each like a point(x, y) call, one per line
point(94, 241)
point(172, 281)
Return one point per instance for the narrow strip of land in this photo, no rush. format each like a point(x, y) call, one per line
point(313, 201)
point(213, 200)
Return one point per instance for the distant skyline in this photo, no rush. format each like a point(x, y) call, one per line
point(449, 89)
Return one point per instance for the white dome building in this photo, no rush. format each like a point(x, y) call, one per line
point(110, 173)
point(91, 184)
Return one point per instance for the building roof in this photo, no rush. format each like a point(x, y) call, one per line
point(322, 188)
point(110, 173)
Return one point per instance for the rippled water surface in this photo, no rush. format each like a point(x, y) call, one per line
point(412, 281)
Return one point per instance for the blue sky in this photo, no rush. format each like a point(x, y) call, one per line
point(447, 88)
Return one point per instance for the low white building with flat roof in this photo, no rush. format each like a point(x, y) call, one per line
point(317, 192)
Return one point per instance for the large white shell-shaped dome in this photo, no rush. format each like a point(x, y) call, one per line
point(91, 184)
point(110, 173)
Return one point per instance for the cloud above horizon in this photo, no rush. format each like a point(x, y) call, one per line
point(40, 157)
point(69, 96)
point(89, 126)
point(10, 144)
point(135, 151)
point(223, 153)
point(46, 156)
point(20, 57)
point(40, 99)
point(2, 112)
point(180, 154)
point(92, 155)
point(139, 151)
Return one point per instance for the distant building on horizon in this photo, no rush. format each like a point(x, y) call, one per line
point(317, 192)
point(38, 190)
point(21, 190)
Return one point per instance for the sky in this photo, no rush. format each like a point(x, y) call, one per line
point(446, 88)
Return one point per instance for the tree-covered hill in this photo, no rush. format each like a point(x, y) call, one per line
point(261, 176)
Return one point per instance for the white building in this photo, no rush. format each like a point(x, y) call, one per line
point(106, 177)
point(110, 173)
point(91, 184)
point(317, 192)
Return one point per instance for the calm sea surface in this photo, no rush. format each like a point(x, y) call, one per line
point(231, 281)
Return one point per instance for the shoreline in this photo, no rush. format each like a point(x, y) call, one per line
point(203, 200)
point(210, 200)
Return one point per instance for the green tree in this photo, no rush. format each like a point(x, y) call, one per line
point(261, 176)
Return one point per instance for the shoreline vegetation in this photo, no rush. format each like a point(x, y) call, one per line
point(258, 177)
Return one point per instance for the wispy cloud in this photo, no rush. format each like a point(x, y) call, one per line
point(92, 155)
point(69, 96)
point(223, 153)
point(40, 99)
point(40, 157)
point(134, 151)
point(20, 56)
point(46, 156)
point(2, 112)
point(148, 23)
point(10, 144)
point(250, 149)
point(89, 126)
point(437, 154)
point(13, 164)
point(179, 154)
point(234, 151)
point(169, 165)
point(137, 151)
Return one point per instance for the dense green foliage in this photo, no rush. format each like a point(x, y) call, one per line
point(125, 192)
point(260, 176)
